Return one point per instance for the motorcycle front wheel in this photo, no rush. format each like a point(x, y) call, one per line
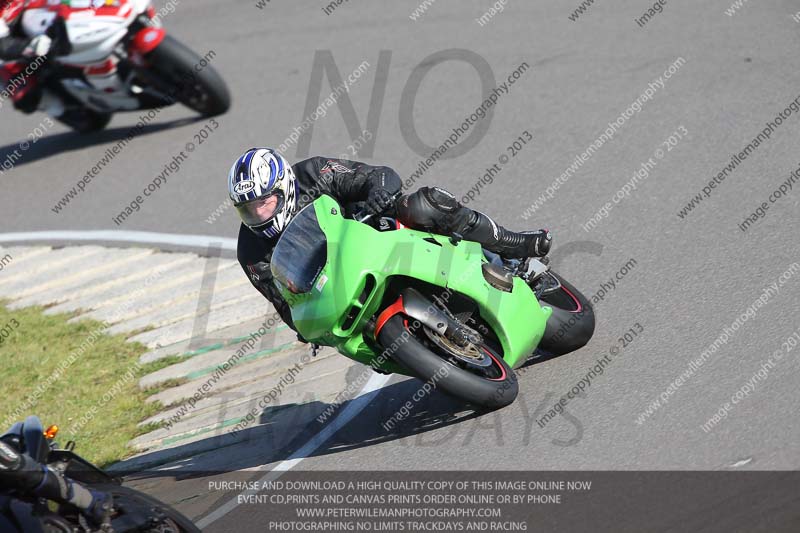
point(132, 507)
point(493, 387)
point(192, 81)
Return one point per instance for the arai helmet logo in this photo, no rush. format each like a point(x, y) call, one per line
point(244, 187)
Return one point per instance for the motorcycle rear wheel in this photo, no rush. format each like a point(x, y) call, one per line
point(571, 325)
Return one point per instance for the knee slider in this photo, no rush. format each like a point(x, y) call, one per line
point(440, 199)
point(433, 209)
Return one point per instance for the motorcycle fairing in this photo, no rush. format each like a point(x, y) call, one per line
point(360, 262)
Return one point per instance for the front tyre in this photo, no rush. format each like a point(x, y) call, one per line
point(496, 388)
point(158, 516)
point(193, 82)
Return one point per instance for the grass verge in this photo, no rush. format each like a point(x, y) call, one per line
point(74, 376)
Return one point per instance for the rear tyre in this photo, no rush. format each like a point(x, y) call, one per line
point(203, 91)
point(572, 323)
point(497, 388)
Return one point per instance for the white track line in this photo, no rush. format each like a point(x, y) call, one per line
point(353, 407)
point(148, 237)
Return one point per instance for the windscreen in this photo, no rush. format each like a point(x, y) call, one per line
point(301, 252)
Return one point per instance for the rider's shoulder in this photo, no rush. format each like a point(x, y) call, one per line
point(310, 166)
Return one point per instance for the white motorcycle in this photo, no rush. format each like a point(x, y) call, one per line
point(109, 56)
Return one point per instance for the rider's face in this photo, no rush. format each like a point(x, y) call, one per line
point(265, 209)
point(259, 211)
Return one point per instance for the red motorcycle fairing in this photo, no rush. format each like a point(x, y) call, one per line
point(389, 312)
point(145, 41)
point(22, 84)
point(103, 8)
point(11, 10)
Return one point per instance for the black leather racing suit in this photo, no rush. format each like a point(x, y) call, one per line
point(349, 182)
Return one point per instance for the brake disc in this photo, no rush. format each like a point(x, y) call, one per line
point(470, 353)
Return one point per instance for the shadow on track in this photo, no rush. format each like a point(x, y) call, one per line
point(434, 421)
point(68, 141)
point(279, 436)
point(283, 429)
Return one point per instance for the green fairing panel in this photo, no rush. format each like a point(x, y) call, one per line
point(356, 251)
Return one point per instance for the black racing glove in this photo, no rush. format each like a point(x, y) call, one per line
point(379, 201)
point(261, 274)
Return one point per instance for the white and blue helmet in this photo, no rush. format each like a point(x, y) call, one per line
point(263, 188)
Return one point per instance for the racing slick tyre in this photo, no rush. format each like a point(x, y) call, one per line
point(493, 387)
point(201, 89)
point(572, 323)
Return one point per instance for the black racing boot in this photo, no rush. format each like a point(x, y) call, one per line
point(507, 243)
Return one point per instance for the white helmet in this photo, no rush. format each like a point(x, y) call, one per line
point(263, 188)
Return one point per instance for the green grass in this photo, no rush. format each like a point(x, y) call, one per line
point(96, 400)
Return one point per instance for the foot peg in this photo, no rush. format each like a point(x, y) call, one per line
point(535, 269)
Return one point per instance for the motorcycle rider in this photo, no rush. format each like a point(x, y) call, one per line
point(267, 191)
point(14, 46)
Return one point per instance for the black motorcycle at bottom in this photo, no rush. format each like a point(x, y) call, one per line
point(90, 499)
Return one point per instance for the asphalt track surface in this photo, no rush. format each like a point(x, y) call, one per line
point(692, 278)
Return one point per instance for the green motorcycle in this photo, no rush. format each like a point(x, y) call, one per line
point(435, 307)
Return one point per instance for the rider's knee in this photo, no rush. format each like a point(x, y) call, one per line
point(440, 199)
point(432, 208)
